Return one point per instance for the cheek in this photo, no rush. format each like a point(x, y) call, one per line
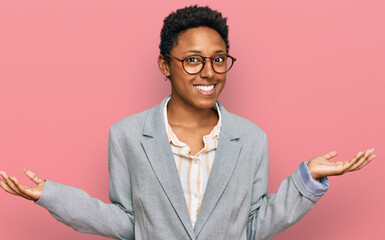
point(181, 77)
point(223, 81)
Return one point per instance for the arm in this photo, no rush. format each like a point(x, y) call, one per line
point(270, 214)
point(75, 208)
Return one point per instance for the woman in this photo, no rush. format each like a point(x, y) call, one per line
point(187, 168)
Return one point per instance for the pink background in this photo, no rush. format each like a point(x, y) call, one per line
point(311, 74)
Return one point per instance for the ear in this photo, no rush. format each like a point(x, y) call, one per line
point(164, 67)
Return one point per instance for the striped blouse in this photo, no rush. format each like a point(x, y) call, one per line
point(194, 171)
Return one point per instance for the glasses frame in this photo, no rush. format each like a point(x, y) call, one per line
point(204, 62)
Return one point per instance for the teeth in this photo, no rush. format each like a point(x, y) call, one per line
point(205, 88)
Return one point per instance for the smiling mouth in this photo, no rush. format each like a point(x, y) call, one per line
point(205, 89)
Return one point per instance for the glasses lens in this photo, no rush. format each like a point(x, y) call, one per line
point(222, 63)
point(193, 64)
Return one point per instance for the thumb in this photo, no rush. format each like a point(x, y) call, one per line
point(330, 155)
point(33, 176)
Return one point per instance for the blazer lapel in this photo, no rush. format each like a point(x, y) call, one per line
point(225, 160)
point(158, 151)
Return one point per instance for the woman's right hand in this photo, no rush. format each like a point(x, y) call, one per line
point(12, 186)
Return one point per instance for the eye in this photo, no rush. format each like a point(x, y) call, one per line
point(219, 59)
point(192, 59)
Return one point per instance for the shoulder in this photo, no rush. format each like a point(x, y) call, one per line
point(130, 125)
point(238, 126)
point(246, 126)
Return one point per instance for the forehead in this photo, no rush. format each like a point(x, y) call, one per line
point(201, 39)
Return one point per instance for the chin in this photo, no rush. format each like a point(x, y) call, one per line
point(206, 104)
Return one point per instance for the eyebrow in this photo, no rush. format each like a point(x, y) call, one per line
point(196, 51)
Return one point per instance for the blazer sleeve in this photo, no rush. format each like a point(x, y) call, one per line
point(75, 208)
point(270, 214)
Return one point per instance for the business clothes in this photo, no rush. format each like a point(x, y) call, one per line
point(147, 197)
point(193, 170)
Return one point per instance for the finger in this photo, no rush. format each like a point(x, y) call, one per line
point(361, 160)
point(21, 193)
point(371, 152)
point(366, 162)
point(22, 189)
point(330, 155)
point(359, 154)
point(33, 176)
point(346, 165)
point(349, 163)
point(9, 182)
point(4, 186)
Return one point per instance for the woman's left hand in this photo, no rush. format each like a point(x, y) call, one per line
point(321, 167)
point(12, 185)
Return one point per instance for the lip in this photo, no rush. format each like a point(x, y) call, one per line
point(205, 84)
point(204, 92)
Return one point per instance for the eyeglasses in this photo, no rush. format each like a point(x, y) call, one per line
point(194, 64)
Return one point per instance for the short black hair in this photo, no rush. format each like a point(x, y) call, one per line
point(190, 17)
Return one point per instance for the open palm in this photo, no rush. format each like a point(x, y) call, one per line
point(12, 186)
point(320, 166)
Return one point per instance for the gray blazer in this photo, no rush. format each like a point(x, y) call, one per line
point(147, 196)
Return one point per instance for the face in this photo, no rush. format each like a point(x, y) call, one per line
point(203, 41)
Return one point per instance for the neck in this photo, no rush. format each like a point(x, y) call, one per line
point(180, 113)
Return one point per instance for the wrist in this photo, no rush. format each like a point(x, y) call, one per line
point(311, 184)
point(313, 174)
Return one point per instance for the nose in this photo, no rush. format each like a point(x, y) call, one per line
point(207, 71)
